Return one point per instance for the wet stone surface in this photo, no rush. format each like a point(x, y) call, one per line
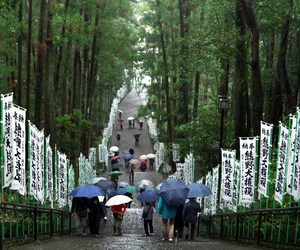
point(132, 226)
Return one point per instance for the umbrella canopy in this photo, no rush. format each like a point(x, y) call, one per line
point(123, 184)
point(148, 195)
point(114, 149)
point(131, 189)
point(143, 157)
point(115, 173)
point(134, 161)
point(198, 190)
point(121, 191)
point(127, 156)
point(96, 179)
point(145, 184)
point(120, 111)
point(173, 191)
point(130, 118)
point(158, 186)
point(105, 184)
point(151, 155)
point(87, 191)
point(118, 200)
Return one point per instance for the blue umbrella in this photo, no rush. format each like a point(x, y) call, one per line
point(105, 184)
point(121, 191)
point(149, 195)
point(174, 192)
point(127, 156)
point(87, 191)
point(198, 190)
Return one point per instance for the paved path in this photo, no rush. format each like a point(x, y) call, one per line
point(133, 233)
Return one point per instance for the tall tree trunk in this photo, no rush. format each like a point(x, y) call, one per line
point(50, 102)
point(196, 93)
point(240, 86)
point(282, 74)
point(165, 80)
point(40, 74)
point(20, 55)
point(257, 95)
point(60, 52)
point(183, 64)
point(28, 61)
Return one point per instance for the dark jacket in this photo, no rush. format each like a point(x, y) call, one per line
point(190, 211)
point(79, 205)
point(96, 211)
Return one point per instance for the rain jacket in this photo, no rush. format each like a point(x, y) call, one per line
point(167, 212)
point(190, 211)
point(119, 209)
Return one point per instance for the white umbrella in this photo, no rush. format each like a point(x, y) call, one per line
point(123, 184)
point(143, 157)
point(118, 200)
point(130, 118)
point(145, 184)
point(134, 161)
point(96, 179)
point(120, 111)
point(151, 155)
point(114, 149)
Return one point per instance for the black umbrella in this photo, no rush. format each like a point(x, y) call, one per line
point(173, 191)
point(105, 184)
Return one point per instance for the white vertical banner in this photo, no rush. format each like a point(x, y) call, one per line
point(296, 169)
point(176, 152)
point(283, 142)
point(6, 122)
point(33, 160)
point(266, 131)
point(227, 166)
point(71, 182)
point(100, 153)
point(207, 200)
point(19, 149)
point(41, 169)
point(214, 189)
point(291, 154)
point(82, 170)
point(92, 157)
point(236, 185)
point(248, 157)
point(62, 179)
point(49, 187)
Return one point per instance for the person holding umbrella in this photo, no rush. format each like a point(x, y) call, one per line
point(118, 137)
point(118, 214)
point(79, 210)
point(95, 214)
point(147, 215)
point(189, 216)
point(168, 213)
point(137, 139)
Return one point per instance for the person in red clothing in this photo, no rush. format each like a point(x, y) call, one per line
point(143, 166)
point(118, 213)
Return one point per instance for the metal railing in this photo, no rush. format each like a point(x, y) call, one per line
point(270, 227)
point(20, 223)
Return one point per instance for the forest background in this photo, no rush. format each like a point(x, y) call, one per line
point(64, 60)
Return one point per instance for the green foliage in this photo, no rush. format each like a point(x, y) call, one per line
point(70, 128)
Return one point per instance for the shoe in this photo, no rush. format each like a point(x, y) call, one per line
point(96, 235)
point(163, 239)
point(115, 234)
point(83, 234)
point(170, 239)
point(105, 219)
point(151, 234)
point(146, 235)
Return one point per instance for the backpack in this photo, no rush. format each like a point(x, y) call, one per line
point(143, 166)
